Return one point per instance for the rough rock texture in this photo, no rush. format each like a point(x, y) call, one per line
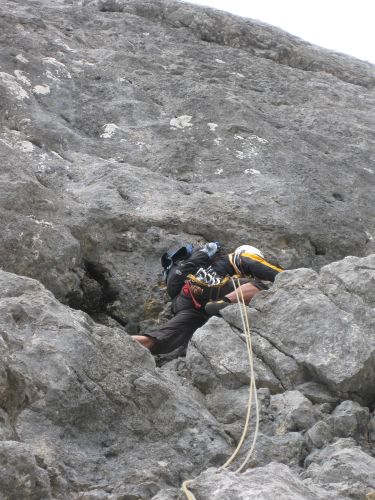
point(90, 404)
point(129, 126)
point(218, 356)
point(261, 483)
point(344, 468)
point(312, 332)
point(324, 322)
point(21, 474)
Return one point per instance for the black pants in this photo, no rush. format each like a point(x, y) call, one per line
point(179, 330)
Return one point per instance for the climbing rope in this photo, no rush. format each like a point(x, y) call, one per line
point(252, 394)
point(252, 385)
point(253, 391)
point(189, 495)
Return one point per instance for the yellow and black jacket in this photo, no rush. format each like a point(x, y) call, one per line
point(246, 265)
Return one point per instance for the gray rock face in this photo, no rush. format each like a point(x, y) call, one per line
point(21, 476)
point(288, 448)
point(325, 322)
point(88, 401)
point(318, 393)
point(283, 366)
point(293, 411)
point(371, 429)
point(6, 431)
point(131, 126)
point(319, 435)
point(350, 419)
point(344, 467)
point(255, 484)
point(313, 328)
point(296, 344)
point(120, 118)
point(218, 355)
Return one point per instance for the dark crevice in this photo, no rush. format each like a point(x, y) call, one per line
point(318, 248)
point(338, 196)
point(66, 118)
point(110, 6)
point(123, 195)
point(97, 293)
point(36, 142)
point(41, 181)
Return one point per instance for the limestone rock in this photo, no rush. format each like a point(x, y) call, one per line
point(218, 355)
point(350, 420)
point(319, 435)
point(371, 429)
point(325, 322)
point(288, 448)
point(283, 366)
point(342, 467)
point(293, 412)
point(6, 431)
point(170, 494)
point(120, 118)
point(318, 393)
point(228, 405)
point(21, 475)
point(262, 482)
point(128, 127)
point(81, 394)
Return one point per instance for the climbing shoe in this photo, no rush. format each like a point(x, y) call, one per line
point(213, 308)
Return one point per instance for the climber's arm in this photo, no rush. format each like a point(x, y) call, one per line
point(254, 266)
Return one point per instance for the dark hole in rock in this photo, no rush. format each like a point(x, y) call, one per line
point(318, 248)
point(338, 196)
point(110, 6)
point(36, 142)
point(97, 292)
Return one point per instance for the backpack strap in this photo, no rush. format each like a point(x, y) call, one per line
point(232, 261)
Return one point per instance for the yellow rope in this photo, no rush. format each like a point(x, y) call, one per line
point(189, 495)
point(252, 392)
point(241, 305)
point(247, 331)
point(252, 385)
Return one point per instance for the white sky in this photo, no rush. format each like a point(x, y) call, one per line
point(346, 26)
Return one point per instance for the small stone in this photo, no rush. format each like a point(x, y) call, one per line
point(293, 412)
point(319, 435)
point(350, 419)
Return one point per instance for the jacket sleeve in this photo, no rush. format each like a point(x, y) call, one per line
point(251, 265)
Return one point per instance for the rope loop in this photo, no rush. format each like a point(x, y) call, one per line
point(252, 395)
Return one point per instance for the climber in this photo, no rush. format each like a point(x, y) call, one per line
point(200, 286)
point(177, 265)
point(248, 264)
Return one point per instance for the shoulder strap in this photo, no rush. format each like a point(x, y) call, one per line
point(231, 260)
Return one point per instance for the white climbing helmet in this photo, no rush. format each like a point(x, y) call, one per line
point(248, 249)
